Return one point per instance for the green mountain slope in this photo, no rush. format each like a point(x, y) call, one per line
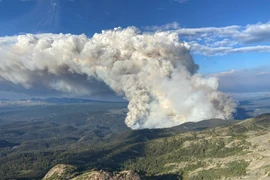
point(35, 138)
point(241, 150)
point(94, 136)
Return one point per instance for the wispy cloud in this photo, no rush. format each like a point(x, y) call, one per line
point(169, 26)
point(181, 1)
point(223, 40)
point(253, 33)
point(222, 50)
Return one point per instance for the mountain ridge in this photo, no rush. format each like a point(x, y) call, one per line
point(240, 150)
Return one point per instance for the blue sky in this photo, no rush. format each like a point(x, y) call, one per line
point(90, 16)
point(93, 16)
point(224, 35)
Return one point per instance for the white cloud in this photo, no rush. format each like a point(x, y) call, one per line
point(181, 1)
point(252, 33)
point(223, 40)
point(223, 50)
point(255, 33)
point(217, 31)
point(169, 26)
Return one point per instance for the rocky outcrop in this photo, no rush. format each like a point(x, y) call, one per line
point(127, 175)
point(61, 171)
point(66, 172)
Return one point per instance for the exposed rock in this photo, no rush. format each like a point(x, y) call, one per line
point(63, 172)
point(95, 175)
point(127, 175)
point(103, 175)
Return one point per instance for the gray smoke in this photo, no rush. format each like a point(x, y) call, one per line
point(154, 71)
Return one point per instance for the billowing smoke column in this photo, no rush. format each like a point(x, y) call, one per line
point(154, 71)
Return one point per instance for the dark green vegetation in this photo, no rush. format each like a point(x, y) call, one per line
point(4, 144)
point(33, 139)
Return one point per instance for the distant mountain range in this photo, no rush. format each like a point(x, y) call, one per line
point(53, 100)
point(247, 107)
point(62, 100)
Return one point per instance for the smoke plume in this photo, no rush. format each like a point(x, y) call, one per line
point(153, 71)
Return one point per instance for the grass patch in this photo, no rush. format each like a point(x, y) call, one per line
point(233, 169)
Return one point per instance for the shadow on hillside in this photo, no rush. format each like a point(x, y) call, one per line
point(162, 177)
point(127, 149)
point(131, 145)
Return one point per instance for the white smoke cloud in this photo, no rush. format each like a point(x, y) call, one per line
point(154, 71)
